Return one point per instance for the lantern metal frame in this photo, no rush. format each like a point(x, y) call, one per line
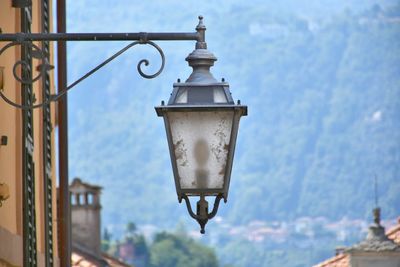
point(202, 215)
point(239, 110)
point(201, 79)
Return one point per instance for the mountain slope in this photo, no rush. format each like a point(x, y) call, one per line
point(324, 113)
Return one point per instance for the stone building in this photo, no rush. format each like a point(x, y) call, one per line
point(85, 215)
point(86, 227)
point(378, 249)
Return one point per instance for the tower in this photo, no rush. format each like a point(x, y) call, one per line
point(85, 216)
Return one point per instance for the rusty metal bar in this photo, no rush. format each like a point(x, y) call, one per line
point(64, 215)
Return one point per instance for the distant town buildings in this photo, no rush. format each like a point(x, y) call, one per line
point(310, 228)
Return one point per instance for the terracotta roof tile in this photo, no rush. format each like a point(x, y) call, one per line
point(82, 260)
point(341, 260)
point(78, 260)
point(394, 233)
point(113, 262)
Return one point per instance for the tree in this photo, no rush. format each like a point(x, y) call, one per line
point(106, 240)
point(131, 228)
point(169, 250)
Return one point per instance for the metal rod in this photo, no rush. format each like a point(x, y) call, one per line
point(64, 208)
point(136, 36)
point(27, 39)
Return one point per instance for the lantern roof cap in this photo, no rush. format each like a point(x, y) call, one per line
point(201, 60)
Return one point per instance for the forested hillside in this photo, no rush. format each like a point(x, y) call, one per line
point(324, 116)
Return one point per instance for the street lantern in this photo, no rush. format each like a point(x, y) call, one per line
point(201, 118)
point(201, 121)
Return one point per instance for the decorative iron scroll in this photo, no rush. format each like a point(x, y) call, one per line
point(37, 53)
point(44, 67)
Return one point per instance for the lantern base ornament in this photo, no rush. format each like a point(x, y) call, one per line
point(202, 216)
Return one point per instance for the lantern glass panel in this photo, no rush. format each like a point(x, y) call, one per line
point(201, 95)
point(201, 142)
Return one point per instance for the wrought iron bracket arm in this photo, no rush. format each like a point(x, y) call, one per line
point(129, 36)
point(202, 216)
point(38, 53)
point(27, 39)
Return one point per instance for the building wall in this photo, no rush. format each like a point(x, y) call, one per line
point(85, 216)
point(86, 227)
point(11, 221)
point(370, 259)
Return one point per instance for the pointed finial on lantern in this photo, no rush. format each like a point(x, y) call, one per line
point(201, 30)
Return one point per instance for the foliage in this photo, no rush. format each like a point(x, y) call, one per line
point(169, 250)
point(166, 250)
point(131, 228)
point(106, 240)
